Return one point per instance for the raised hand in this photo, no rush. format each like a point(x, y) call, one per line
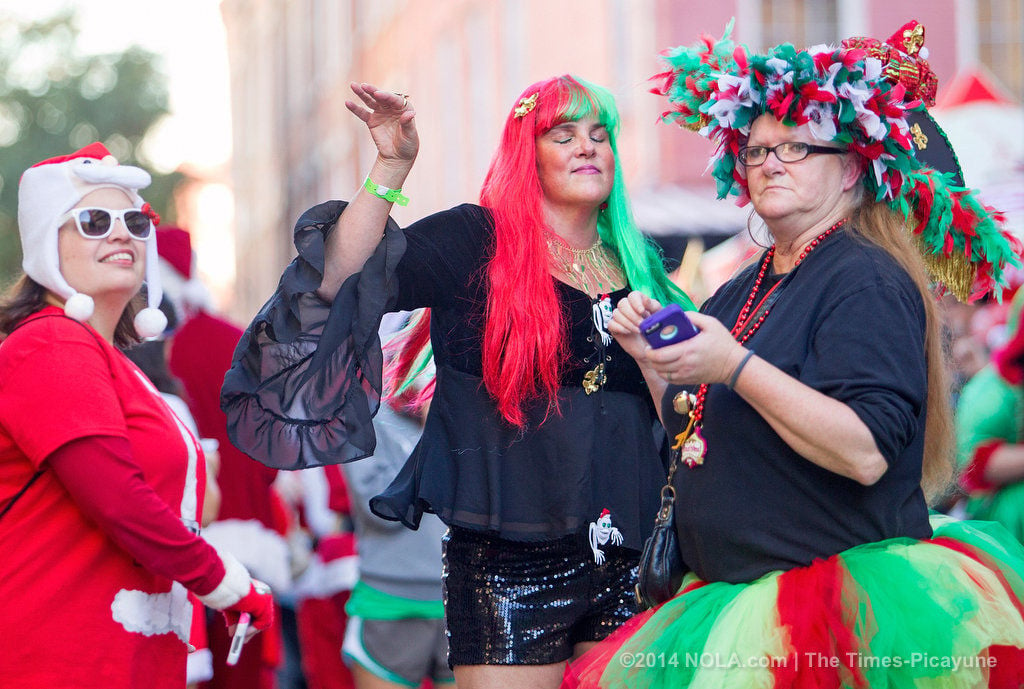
point(391, 122)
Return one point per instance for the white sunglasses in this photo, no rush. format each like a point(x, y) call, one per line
point(97, 223)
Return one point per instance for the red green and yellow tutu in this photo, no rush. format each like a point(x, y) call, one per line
point(944, 612)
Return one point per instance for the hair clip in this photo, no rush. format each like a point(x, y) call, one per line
point(526, 105)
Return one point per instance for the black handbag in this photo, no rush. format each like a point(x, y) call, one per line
point(661, 563)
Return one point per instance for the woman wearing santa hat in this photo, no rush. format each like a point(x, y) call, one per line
point(101, 486)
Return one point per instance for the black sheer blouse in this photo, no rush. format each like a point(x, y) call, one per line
point(306, 382)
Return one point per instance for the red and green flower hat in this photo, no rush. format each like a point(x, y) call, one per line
point(871, 97)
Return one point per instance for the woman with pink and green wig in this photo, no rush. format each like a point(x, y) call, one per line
point(541, 449)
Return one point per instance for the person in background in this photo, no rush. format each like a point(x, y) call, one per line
point(321, 509)
point(540, 431)
point(812, 406)
point(396, 636)
point(990, 432)
point(149, 356)
point(968, 352)
point(198, 353)
point(101, 485)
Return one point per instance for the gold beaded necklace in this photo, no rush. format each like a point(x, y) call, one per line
point(594, 270)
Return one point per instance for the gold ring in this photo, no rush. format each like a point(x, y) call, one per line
point(405, 98)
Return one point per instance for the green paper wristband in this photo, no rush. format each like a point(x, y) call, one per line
point(382, 192)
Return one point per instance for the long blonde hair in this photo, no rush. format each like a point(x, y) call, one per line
point(880, 225)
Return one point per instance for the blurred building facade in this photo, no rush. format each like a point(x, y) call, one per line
point(464, 62)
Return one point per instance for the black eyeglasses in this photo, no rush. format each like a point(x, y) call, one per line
point(787, 152)
point(98, 223)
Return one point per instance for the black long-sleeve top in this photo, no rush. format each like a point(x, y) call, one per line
point(850, 323)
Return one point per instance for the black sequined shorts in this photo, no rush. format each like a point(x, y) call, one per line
point(529, 603)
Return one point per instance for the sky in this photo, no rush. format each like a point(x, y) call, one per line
point(189, 37)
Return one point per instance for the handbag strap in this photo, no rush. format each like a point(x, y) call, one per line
point(668, 492)
point(677, 448)
point(768, 302)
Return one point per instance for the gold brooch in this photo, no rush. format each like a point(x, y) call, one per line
point(920, 138)
point(914, 39)
point(594, 379)
point(526, 105)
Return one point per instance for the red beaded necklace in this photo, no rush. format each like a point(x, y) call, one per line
point(695, 447)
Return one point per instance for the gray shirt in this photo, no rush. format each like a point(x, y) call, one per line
point(393, 558)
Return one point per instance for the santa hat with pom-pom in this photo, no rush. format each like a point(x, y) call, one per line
point(51, 188)
point(178, 275)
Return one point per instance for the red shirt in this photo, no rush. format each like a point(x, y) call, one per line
point(200, 355)
point(78, 610)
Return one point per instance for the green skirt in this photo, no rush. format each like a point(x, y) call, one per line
point(943, 612)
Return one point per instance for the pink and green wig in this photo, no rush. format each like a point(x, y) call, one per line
point(524, 344)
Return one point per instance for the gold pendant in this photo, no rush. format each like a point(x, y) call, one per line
point(694, 449)
point(683, 402)
point(594, 379)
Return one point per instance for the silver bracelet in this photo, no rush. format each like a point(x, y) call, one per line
point(739, 368)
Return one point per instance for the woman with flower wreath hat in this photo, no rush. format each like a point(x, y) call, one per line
point(540, 430)
point(815, 395)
